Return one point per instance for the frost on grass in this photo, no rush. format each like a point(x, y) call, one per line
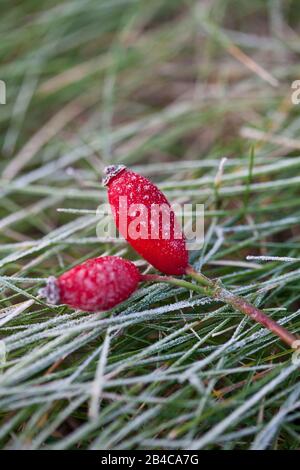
point(167, 369)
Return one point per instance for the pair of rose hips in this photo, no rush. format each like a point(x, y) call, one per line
point(102, 283)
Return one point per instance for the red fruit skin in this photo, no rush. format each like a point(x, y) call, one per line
point(98, 284)
point(169, 256)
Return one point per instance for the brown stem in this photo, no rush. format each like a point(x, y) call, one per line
point(215, 290)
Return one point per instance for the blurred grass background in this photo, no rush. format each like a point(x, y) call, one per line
point(169, 88)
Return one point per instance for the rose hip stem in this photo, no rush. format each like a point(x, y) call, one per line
point(215, 290)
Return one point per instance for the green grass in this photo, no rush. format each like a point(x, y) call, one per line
point(161, 87)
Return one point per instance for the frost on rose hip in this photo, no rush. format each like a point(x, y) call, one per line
point(167, 250)
point(95, 285)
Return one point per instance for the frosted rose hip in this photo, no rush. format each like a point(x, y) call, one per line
point(97, 284)
point(166, 251)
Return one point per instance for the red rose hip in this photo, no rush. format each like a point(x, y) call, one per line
point(95, 285)
point(139, 208)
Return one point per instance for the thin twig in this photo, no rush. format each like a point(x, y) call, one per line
point(218, 292)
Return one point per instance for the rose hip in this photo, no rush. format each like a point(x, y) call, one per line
point(95, 285)
point(133, 197)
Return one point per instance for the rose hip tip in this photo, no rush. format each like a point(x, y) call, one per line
point(110, 172)
point(51, 291)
